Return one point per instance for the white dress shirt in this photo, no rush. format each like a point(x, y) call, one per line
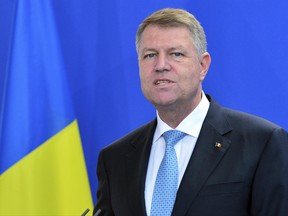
point(191, 125)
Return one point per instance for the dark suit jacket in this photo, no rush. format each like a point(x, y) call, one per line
point(247, 175)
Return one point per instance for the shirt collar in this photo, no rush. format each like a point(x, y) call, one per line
point(191, 125)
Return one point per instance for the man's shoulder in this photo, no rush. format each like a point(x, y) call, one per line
point(135, 136)
point(239, 119)
point(249, 120)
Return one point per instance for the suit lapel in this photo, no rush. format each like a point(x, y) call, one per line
point(205, 158)
point(137, 162)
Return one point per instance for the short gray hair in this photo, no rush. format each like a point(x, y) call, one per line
point(170, 17)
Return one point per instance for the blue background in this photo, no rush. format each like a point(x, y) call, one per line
point(247, 40)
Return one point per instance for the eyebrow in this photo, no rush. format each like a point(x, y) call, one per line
point(148, 49)
point(180, 47)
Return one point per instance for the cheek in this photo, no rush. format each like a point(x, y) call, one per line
point(142, 71)
point(193, 74)
point(145, 81)
point(145, 75)
point(188, 77)
point(142, 77)
point(190, 81)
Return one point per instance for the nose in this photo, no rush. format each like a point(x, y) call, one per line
point(162, 63)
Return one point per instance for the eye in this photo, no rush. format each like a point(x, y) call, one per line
point(149, 55)
point(177, 54)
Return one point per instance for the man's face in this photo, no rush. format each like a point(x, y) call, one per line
point(170, 71)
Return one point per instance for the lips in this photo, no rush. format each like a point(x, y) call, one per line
point(162, 82)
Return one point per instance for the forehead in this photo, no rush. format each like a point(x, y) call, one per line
point(162, 31)
point(155, 36)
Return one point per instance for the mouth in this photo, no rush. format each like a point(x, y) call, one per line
point(162, 82)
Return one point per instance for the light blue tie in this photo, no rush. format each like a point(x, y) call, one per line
point(166, 184)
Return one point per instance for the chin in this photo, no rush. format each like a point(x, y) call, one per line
point(163, 103)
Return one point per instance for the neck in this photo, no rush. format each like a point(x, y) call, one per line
point(175, 114)
point(173, 119)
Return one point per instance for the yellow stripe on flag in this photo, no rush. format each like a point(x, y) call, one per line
point(52, 180)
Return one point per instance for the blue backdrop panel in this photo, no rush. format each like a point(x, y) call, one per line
point(247, 41)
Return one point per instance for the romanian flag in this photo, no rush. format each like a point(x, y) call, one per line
point(42, 166)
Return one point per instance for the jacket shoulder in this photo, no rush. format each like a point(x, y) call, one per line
point(133, 138)
point(238, 119)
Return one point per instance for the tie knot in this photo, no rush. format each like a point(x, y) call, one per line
point(173, 136)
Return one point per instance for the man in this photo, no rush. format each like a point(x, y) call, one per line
point(228, 163)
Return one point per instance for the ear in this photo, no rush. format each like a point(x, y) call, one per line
point(205, 61)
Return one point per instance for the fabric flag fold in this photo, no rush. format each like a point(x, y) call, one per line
point(42, 165)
